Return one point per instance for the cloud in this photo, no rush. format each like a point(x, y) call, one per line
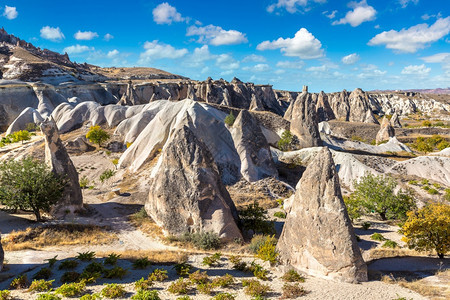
point(259, 68)
point(350, 59)
point(404, 3)
point(303, 45)
point(199, 56)
point(414, 38)
point(112, 53)
point(216, 36)
point(331, 15)
point(156, 50)
point(437, 58)
point(85, 35)
point(291, 6)
point(227, 62)
point(371, 71)
point(52, 33)
point(419, 70)
point(290, 64)
point(10, 12)
point(362, 12)
point(427, 16)
point(77, 49)
point(254, 58)
point(108, 37)
point(166, 14)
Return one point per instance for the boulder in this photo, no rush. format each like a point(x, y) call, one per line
point(359, 104)
point(395, 121)
point(386, 131)
point(323, 108)
point(253, 149)
point(186, 191)
point(318, 237)
point(79, 145)
point(60, 163)
point(28, 115)
point(2, 254)
point(304, 121)
point(370, 117)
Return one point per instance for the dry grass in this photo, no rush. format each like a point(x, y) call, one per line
point(64, 234)
point(377, 253)
point(156, 257)
point(145, 224)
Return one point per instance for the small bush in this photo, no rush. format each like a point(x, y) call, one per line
point(183, 269)
point(180, 287)
point(377, 237)
point(97, 135)
point(258, 271)
point(116, 272)
point(5, 295)
point(19, 282)
point(71, 289)
point(68, 265)
point(254, 218)
point(292, 291)
point(238, 264)
point(43, 273)
point(267, 251)
point(107, 174)
point(51, 261)
point(224, 296)
point(40, 285)
point(413, 182)
point(292, 276)
point(90, 277)
point(280, 214)
point(213, 260)
point(229, 119)
point(111, 259)
point(143, 284)
point(48, 296)
point(184, 298)
point(206, 240)
point(224, 281)
point(94, 267)
point(95, 296)
point(432, 191)
point(437, 185)
point(86, 256)
point(141, 263)
point(146, 295)
point(199, 277)
point(70, 276)
point(286, 141)
point(158, 275)
point(205, 288)
point(258, 241)
point(390, 244)
point(113, 290)
point(254, 288)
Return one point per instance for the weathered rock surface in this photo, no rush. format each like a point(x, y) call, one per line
point(2, 254)
point(386, 131)
point(304, 121)
point(253, 149)
point(395, 121)
point(79, 145)
point(60, 163)
point(317, 237)
point(323, 108)
point(186, 191)
point(29, 115)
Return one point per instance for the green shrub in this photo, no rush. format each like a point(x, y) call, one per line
point(182, 269)
point(107, 174)
point(205, 288)
point(432, 191)
point(90, 277)
point(84, 182)
point(377, 237)
point(390, 244)
point(141, 263)
point(5, 295)
point(32, 127)
point(258, 271)
point(68, 265)
point(97, 135)
point(437, 185)
point(94, 267)
point(71, 289)
point(146, 295)
point(43, 273)
point(413, 182)
point(366, 225)
point(254, 218)
point(292, 291)
point(447, 195)
point(40, 285)
point(48, 296)
point(184, 298)
point(286, 141)
point(180, 287)
point(280, 214)
point(267, 251)
point(86, 256)
point(51, 261)
point(111, 259)
point(254, 288)
point(198, 277)
point(206, 240)
point(116, 272)
point(224, 281)
point(20, 136)
point(143, 284)
point(94, 296)
point(224, 296)
point(229, 119)
point(292, 276)
point(158, 275)
point(20, 282)
point(113, 290)
point(238, 264)
point(213, 260)
point(70, 276)
point(258, 241)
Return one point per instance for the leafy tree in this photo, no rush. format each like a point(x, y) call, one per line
point(97, 135)
point(254, 217)
point(21, 136)
point(229, 119)
point(29, 185)
point(428, 229)
point(376, 194)
point(285, 143)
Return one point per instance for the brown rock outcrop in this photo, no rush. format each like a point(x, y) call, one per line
point(386, 131)
point(2, 254)
point(304, 121)
point(395, 121)
point(317, 236)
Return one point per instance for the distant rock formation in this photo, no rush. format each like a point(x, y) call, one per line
point(386, 131)
point(395, 121)
point(370, 118)
point(323, 108)
point(186, 191)
point(318, 237)
point(253, 149)
point(60, 163)
point(2, 254)
point(129, 97)
point(304, 121)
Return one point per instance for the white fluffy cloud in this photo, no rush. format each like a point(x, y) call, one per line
point(259, 68)
point(216, 36)
point(419, 70)
point(290, 64)
point(10, 12)
point(362, 12)
point(303, 45)
point(254, 58)
point(166, 14)
point(108, 37)
point(77, 49)
point(227, 62)
point(350, 59)
point(292, 6)
point(85, 35)
point(437, 58)
point(199, 57)
point(330, 15)
point(413, 38)
point(156, 50)
point(52, 33)
point(112, 53)
point(404, 3)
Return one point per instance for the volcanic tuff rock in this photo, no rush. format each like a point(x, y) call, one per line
point(2, 254)
point(129, 97)
point(186, 191)
point(29, 115)
point(304, 121)
point(253, 149)
point(386, 131)
point(323, 108)
point(395, 121)
point(60, 163)
point(318, 237)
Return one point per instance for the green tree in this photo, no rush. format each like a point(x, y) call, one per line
point(29, 185)
point(229, 119)
point(254, 217)
point(21, 136)
point(285, 143)
point(428, 229)
point(97, 135)
point(376, 194)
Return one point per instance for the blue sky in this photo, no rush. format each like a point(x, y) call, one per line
point(327, 44)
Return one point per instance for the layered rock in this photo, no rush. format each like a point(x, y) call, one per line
point(60, 163)
point(323, 108)
point(2, 254)
point(395, 121)
point(318, 237)
point(386, 131)
point(253, 149)
point(304, 121)
point(186, 191)
point(129, 97)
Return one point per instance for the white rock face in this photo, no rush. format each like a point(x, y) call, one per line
point(393, 145)
point(29, 115)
